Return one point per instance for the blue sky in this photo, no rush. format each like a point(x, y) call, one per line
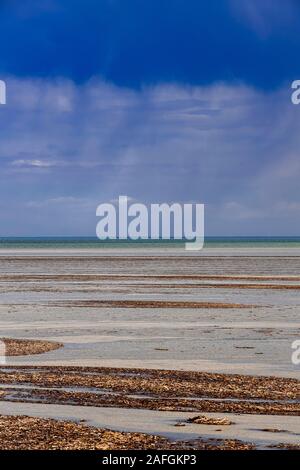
point(163, 101)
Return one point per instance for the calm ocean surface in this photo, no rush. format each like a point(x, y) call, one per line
point(94, 243)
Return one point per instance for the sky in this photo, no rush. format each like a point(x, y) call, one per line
point(161, 100)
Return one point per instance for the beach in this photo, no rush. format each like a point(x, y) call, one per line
point(144, 341)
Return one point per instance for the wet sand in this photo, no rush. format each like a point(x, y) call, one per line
point(215, 312)
point(29, 433)
point(151, 389)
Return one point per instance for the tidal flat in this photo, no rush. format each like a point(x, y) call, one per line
point(173, 336)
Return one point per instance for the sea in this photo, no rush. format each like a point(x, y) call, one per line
point(61, 243)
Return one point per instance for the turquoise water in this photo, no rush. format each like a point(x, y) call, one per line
point(92, 242)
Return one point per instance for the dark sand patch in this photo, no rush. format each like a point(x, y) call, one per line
point(142, 287)
point(25, 347)
point(274, 430)
point(152, 389)
point(26, 433)
point(166, 383)
point(147, 304)
point(122, 400)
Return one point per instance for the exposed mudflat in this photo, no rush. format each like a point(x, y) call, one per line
point(28, 433)
point(206, 335)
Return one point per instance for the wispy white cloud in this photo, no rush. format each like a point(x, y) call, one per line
point(32, 163)
point(63, 201)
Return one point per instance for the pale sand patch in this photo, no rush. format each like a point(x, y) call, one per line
point(149, 304)
point(197, 365)
point(137, 325)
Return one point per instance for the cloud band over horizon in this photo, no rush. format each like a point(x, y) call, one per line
point(65, 148)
